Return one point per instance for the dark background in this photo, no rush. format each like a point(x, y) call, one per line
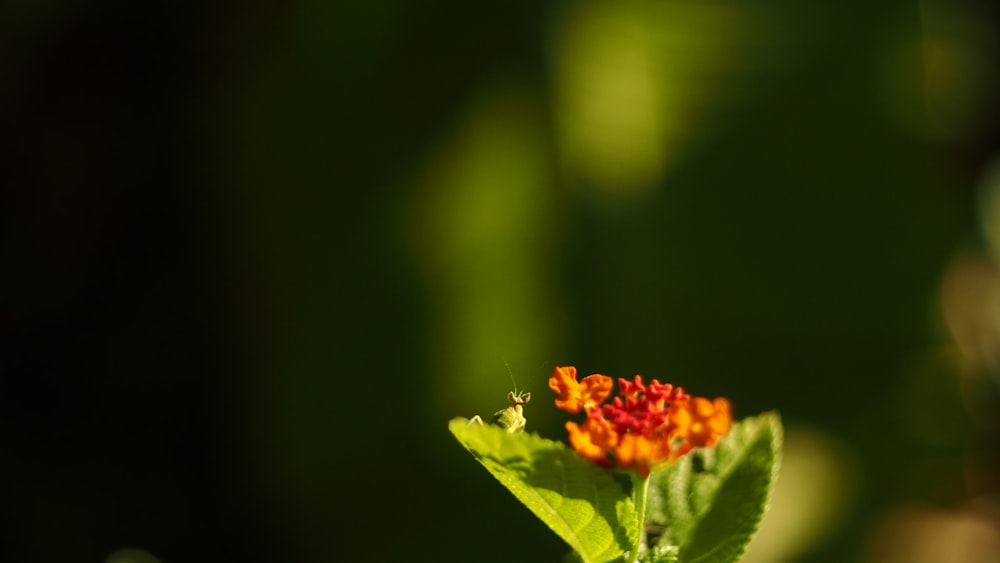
point(255, 256)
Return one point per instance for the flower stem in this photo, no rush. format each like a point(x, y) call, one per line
point(640, 487)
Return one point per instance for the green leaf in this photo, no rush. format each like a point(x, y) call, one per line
point(581, 502)
point(662, 553)
point(713, 500)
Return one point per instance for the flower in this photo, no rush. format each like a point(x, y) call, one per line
point(575, 395)
point(644, 428)
point(701, 422)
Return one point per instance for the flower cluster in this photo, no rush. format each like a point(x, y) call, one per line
point(644, 428)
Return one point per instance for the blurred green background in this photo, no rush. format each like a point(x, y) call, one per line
point(256, 255)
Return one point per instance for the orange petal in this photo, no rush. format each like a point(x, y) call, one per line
point(701, 422)
point(593, 440)
point(596, 388)
point(639, 452)
point(574, 395)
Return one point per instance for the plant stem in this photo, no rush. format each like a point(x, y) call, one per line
point(640, 487)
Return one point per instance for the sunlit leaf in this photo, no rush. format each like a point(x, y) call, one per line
point(662, 553)
point(712, 501)
point(579, 501)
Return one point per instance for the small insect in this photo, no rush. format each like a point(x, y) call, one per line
point(511, 418)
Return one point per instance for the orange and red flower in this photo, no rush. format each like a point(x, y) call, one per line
point(644, 428)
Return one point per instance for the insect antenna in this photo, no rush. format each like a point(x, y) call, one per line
point(515, 397)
